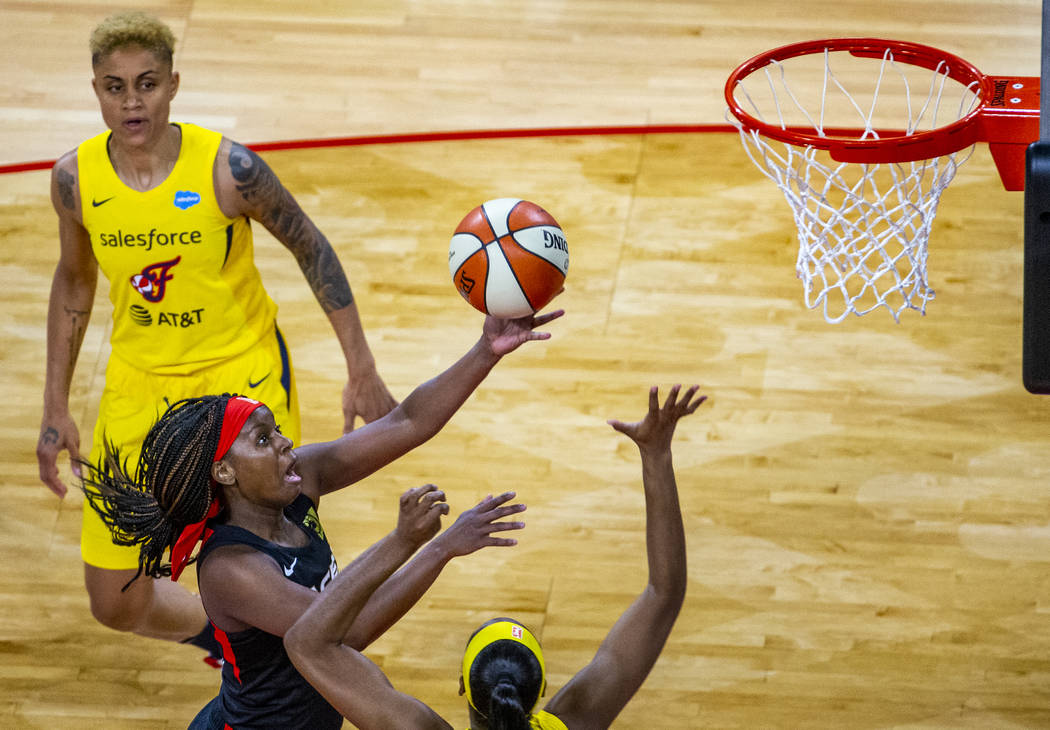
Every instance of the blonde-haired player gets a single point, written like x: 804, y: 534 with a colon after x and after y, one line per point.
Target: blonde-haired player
x: 163, y: 208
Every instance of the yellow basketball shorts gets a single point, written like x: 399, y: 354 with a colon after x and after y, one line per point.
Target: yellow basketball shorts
x: 134, y: 399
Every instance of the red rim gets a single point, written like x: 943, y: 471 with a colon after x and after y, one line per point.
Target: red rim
x: 900, y: 148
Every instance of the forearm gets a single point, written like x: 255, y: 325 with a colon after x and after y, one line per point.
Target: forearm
x: 359, y: 690
x: 69, y: 311
x: 432, y: 404
x: 396, y: 596
x: 333, y: 614
x: 346, y: 323
x: 664, y: 532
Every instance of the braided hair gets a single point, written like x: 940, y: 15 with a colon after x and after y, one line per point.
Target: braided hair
x: 171, y: 486
x: 505, y: 683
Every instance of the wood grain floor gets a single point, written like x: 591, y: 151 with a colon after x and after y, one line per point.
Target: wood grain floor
x: 866, y: 504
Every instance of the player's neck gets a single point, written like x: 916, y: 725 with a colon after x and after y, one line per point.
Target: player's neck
x: 144, y: 167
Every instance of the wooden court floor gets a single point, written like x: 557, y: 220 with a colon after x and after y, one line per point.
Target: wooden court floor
x: 867, y: 504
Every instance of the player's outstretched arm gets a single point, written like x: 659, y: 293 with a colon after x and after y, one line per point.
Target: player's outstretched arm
x: 599, y: 691
x: 328, y: 466
x: 69, y: 309
x: 316, y: 645
x: 247, y: 186
x: 471, y: 531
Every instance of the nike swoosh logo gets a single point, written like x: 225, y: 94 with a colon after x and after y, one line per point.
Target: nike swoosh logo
x: 257, y: 382
x: 288, y: 571
x: 96, y: 203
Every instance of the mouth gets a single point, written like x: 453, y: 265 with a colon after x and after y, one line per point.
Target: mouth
x: 134, y: 125
x: 291, y: 476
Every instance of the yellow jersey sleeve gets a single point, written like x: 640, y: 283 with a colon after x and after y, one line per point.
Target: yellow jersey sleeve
x: 185, y: 290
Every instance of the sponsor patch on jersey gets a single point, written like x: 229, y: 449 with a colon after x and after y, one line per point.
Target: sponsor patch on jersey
x: 152, y: 281
x: 140, y: 315
x: 186, y: 199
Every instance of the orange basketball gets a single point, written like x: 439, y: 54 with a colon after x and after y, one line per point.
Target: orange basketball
x: 508, y: 257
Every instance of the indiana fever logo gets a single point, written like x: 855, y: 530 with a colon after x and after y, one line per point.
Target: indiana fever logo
x: 151, y: 283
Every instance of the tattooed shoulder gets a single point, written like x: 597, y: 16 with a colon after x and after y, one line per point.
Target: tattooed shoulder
x: 255, y: 181
x: 66, y: 183
x: 244, y: 163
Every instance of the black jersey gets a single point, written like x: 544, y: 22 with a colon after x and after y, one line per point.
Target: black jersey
x: 261, y: 688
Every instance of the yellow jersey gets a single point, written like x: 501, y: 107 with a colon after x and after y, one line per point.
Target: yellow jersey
x: 185, y: 290
x: 545, y: 721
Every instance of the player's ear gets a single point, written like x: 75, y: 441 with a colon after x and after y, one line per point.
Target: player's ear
x: 223, y: 473
x: 462, y: 687
x: 174, y: 84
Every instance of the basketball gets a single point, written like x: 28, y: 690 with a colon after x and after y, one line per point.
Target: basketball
x: 508, y: 258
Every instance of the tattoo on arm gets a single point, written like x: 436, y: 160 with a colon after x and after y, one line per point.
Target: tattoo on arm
x: 78, y: 319
x: 274, y: 206
x: 66, y: 181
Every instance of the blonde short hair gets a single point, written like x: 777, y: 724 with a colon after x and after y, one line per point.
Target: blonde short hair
x: 133, y: 28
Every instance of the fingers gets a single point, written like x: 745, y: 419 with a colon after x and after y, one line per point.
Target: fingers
x: 680, y: 407
x: 55, y: 484
x: 690, y: 407
x: 47, y: 462
x: 491, y: 509
x: 542, y: 319
x: 491, y: 502
x: 426, y: 495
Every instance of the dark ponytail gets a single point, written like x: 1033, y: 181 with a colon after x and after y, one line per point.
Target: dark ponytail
x: 171, y: 484
x: 506, y: 711
x: 505, y: 683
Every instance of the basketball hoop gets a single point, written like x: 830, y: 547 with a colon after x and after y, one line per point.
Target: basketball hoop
x: 862, y: 136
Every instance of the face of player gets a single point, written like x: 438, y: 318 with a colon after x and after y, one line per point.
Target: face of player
x: 134, y: 90
x: 263, y: 463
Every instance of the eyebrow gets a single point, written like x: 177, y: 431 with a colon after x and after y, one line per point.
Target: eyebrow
x: 141, y: 75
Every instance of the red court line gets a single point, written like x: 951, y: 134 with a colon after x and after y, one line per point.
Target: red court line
x: 300, y: 144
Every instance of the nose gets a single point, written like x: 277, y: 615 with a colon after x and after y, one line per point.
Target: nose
x: 131, y: 99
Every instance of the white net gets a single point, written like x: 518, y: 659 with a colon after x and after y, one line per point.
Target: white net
x: 862, y: 228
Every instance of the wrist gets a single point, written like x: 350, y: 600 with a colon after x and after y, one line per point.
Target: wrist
x: 485, y: 354
x: 437, y: 551
x: 360, y: 364
x: 404, y: 544
x: 655, y: 455
x: 56, y: 406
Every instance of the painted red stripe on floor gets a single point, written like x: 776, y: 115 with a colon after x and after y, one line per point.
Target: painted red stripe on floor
x: 300, y: 144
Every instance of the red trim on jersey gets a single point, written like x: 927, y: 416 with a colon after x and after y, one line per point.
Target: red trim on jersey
x: 227, y: 651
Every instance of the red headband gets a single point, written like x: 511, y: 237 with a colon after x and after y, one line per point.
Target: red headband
x: 237, y: 411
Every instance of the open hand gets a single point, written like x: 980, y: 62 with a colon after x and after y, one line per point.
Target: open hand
x: 473, y: 529
x: 506, y: 335
x: 654, y: 432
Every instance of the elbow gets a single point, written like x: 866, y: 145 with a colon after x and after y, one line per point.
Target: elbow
x: 670, y: 594
x: 80, y: 281
x: 674, y: 597
x: 296, y: 644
